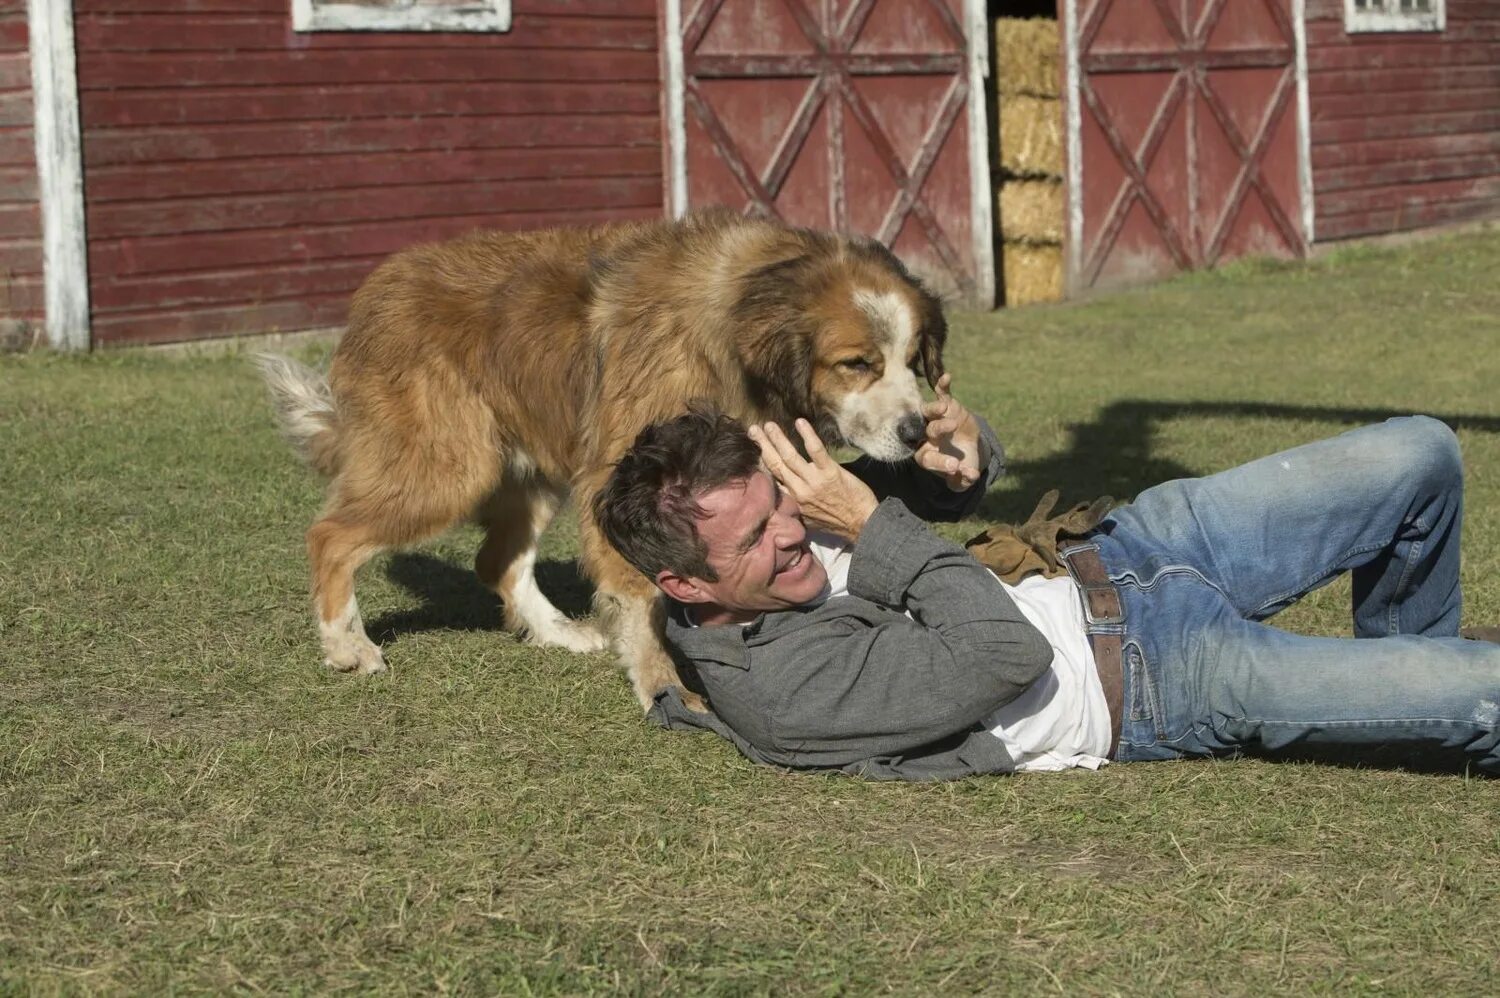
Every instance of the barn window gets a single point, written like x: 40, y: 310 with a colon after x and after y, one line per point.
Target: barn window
x: 401, y: 15
x: 1393, y: 15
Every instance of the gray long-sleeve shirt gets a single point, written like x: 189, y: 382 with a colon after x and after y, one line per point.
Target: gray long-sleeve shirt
x: 855, y: 683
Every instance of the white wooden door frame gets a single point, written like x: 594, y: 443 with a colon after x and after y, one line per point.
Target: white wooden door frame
x: 1304, y: 123
x: 59, y: 168
x: 981, y: 186
x: 674, y: 124
x: 981, y: 209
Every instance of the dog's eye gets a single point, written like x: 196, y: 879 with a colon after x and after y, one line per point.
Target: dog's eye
x: 857, y: 364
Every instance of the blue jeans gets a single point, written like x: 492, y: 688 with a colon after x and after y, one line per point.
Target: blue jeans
x: 1202, y: 563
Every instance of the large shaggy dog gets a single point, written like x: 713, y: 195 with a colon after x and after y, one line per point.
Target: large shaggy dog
x: 492, y: 376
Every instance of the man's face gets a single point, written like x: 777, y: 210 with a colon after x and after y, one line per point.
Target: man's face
x: 757, y: 545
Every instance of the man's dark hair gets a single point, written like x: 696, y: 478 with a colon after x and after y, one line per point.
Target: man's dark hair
x: 646, y: 509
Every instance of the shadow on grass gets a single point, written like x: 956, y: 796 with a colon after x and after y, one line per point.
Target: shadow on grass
x: 454, y: 600
x: 1416, y: 761
x: 1113, y: 454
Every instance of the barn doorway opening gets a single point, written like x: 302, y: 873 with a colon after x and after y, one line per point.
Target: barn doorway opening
x: 1027, y: 150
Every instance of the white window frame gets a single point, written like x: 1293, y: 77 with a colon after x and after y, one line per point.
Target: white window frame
x: 330, y: 15
x: 1363, y: 21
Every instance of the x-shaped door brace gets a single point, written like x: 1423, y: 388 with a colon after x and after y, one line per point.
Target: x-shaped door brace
x: 833, y: 65
x: 1191, y: 62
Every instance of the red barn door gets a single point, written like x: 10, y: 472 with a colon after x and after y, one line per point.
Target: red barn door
x: 1183, y: 134
x: 862, y: 116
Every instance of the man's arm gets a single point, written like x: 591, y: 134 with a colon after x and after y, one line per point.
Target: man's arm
x: 847, y: 688
x: 860, y: 678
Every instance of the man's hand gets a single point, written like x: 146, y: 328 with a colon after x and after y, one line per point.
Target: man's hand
x: 953, y: 448
x: 829, y: 495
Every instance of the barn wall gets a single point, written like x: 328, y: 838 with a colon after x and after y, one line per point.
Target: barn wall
x: 241, y: 177
x: 1405, y: 128
x: 22, y: 309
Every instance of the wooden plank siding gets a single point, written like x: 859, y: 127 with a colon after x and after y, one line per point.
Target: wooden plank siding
x: 241, y: 177
x: 22, y: 296
x: 1405, y: 128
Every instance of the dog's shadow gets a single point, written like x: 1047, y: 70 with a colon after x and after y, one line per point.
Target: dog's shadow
x: 452, y: 598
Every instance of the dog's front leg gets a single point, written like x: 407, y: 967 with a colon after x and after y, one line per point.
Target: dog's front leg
x: 634, y: 617
x: 636, y: 622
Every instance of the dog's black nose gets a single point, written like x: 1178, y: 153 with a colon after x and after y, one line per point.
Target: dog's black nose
x: 912, y: 430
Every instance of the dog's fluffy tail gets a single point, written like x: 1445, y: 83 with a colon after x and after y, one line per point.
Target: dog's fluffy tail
x: 304, y: 408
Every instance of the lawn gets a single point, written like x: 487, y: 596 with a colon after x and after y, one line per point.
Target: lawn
x: 188, y: 801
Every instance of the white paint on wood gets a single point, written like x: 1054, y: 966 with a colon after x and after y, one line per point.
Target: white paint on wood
x: 400, y: 15
x: 981, y: 193
x: 1392, y: 18
x: 1304, y: 123
x: 1072, y: 101
x: 59, y: 167
x: 673, y: 80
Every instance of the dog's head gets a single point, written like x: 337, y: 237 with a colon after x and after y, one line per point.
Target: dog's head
x: 839, y: 334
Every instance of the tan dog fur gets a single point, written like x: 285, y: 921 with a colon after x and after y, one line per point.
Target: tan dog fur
x: 492, y: 376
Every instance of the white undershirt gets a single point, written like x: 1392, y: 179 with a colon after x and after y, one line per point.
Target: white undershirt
x: 1061, y: 720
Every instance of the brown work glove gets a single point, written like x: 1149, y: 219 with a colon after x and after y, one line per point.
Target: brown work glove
x: 1014, y: 552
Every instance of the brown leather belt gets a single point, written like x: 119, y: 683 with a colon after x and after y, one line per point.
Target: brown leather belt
x: 1102, y: 606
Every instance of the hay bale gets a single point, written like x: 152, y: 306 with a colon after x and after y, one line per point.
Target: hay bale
x: 1028, y: 54
x: 1031, y: 211
x: 1032, y: 273
x: 1031, y: 137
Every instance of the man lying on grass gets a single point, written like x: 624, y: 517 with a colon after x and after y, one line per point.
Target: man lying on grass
x: 831, y: 629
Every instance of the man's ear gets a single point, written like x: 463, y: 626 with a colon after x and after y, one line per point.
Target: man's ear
x: 682, y: 588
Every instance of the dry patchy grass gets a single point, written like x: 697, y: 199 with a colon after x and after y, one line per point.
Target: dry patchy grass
x: 188, y: 802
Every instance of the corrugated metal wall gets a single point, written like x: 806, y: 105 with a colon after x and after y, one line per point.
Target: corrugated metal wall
x: 244, y: 178
x: 21, y: 298
x: 1405, y: 127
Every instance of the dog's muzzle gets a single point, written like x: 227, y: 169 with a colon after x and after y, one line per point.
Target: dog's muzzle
x: 912, y: 430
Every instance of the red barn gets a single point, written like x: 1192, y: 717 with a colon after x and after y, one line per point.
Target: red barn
x: 213, y: 167
x: 1405, y: 113
x: 22, y: 305
x: 1204, y: 129
x: 242, y: 168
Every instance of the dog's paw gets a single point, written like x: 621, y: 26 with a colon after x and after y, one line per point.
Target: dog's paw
x: 569, y: 634
x: 690, y: 700
x: 647, y: 693
x: 362, y: 657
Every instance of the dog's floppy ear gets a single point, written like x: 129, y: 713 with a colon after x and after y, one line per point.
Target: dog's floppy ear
x: 775, y: 337
x: 931, y: 337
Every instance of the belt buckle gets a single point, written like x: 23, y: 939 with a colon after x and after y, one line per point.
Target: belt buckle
x: 1108, y: 619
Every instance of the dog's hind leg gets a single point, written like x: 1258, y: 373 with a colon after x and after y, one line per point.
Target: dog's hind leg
x: 399, y: 483
x: 358, y: 525
x: 337, y: 548
x: 514, y: 518
x: 360, y: 522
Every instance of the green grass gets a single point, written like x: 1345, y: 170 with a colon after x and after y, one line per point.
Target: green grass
x: 188, y: 801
